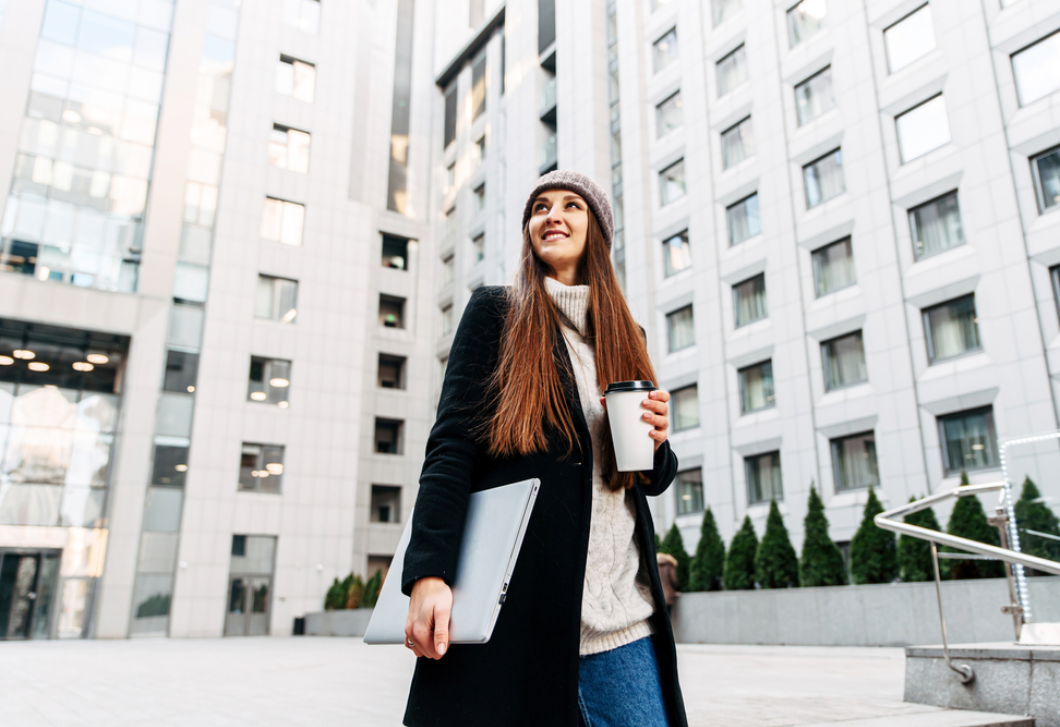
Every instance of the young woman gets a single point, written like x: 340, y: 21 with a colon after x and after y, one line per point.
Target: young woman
x: 584, y: 637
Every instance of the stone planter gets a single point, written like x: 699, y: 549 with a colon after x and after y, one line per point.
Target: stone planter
x: 347, y: 622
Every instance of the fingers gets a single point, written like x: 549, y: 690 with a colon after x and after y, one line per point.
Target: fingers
x: 441, y: 630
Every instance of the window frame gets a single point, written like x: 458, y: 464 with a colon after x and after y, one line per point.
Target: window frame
x: 886, y: 52
x: 728, y: 222
x: 913, y: 227
x: 656, y: 68
x: 748, y: 150
x: 683, y: 390
x: 814, y: 256
x: 749, y: 463
x: 829, y: 385
x: 680, y: 495
x: 1039, y: 189
x: 664, y: 200
x: 804, y: 83
x: 839, y: 472
x: 686, y: 248
x: 1015, y: 78
x: 255, y: 485
x: 736, y: 300
x: 743, y: 387
x: 837, y: 154
x: 991, y: 427
x: 670, y: 328
x: 925, y: 316
x: 742, y: 47
x: 659, y: 134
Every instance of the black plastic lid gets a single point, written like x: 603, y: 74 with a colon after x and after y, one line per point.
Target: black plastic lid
x: 617, y: 386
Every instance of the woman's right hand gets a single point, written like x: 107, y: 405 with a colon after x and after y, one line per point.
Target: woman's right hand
x: 427, y: 625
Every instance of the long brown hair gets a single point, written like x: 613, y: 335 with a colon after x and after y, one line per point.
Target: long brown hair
x: 526, y: 388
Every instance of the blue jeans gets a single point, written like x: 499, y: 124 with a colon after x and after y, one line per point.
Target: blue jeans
x: 621, y: 688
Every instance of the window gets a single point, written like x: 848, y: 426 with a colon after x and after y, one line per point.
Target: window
x: 742, y: 220
x: 668, y: 115
x: 1054, y: 275
x: 824, y: 178
x: 814, y: 96
x: 854, y: 462
x: 737, y: 143
x: 480, y: 198
x: 388, y: 439
x: 804, y: 20
x: 289, y: 149
x: 270, y: 379
x: 282, y: 221
x: 952, y: 329
x: 732, y: 70
x: 756, y: 387
x: 261, y: 467
x: 664, y: 50
x: 450, y: 221
x: 722, y: 10
x: 391, y: 372
x: 672, y: 183
x: 686, y: 408
x: 969, y: 441
x: 447, y: 319
x: 677, y: 255
x: 182, y: 368
x: 680, y: 329
x: 450, y: 116
x: 478, y: 88
x: 276, y: 299
x: 1037, y: 69
x: 749, y: 300
x: 395, y: 252
x: 922, y: 128
x: 480, y: 148
x: 690, y: 492
x: 448, y: 269
x: 296, y: 78
x: 910, y: 38
x: 450, y: 177
x: 391, y: 311
x: 302, y: 14
x: 1046, y: 170
x: 386, y: 504
x: 763, y: 478
x: 833, y: 267
x: 936, y: 226
x: 844, y: 362
x: 478, y: 248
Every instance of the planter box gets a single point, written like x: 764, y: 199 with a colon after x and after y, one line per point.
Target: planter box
x: 348, y: 622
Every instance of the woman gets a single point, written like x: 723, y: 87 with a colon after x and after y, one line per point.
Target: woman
x: 583, y: 637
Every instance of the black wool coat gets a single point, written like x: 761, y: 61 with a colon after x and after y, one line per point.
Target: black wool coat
x: 528, y: 672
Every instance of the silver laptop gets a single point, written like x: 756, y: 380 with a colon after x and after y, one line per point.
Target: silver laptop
x: 493, y: 533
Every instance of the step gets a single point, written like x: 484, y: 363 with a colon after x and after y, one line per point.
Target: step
x: 936, y: 718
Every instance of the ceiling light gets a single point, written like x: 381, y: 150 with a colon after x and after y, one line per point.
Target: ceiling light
x: 262, y: 473
x: 6, y: 360
x: 71, y: 116
x: 181, y: 468
x: 96, y: 358
x: 43, y: 272
x: 282, y: 405
x: 23, y: 354
x: 257, y: 395
x: 38, y: 366
x: 191, y: 389
x: 289, y: 316
x: 279, y: 383
x: 275, y: 468
x: 82, y: 366
x: 978, y: 446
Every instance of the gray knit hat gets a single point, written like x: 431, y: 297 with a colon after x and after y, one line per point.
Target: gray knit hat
x: 590, y: 191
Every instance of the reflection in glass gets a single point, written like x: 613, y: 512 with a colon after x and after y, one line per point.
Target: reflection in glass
x: 677, y: 255
x: 814, y: 96
x: 969, y: 441
x: 1046, y: 168
x: 936, y: 226
x: 742, y: 220
x: 668, y: 115
x: 756, y: 387
x: 737, y: 143
x: 910, y: 38
x: 952, y: 329
x: 804, y: 20
x: 296, y: 78
x: 74, y: 607
x: 680, y: 329
x: 854, y: 460
x: 261, y: 467
x: 152, y: 597
x: 282, y: 221
x: 289, y: 149
x: 690, y: 492
x: 833, y: 267
x: 276, y: 299
x: 824, y: 179
x: 1037, y: 69
x: 763, y: 478
x: 269, y: 380
x: 722, y: 10
x: 83, y: 507
x: 686, y: 408
x: 664, y: 50
x: 672, y: 183
x: 922, y: 128
x: 844, y: 361
x: 732, y: 70
x: 749, y: 300
x: 162, y: 509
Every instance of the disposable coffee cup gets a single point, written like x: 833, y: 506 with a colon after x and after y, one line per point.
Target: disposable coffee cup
x: 634, y: 448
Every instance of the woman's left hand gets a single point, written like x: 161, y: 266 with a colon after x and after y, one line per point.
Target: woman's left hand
x: 657, y: 414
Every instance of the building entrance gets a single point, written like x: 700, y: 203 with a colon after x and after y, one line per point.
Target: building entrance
x: 250, y: 585
x: 27, y: 592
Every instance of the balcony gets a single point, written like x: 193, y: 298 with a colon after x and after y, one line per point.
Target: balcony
x: 548, y: 154
x: 548, y: 103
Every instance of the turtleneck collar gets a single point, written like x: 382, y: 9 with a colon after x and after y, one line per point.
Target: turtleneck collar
x: 572, y: 301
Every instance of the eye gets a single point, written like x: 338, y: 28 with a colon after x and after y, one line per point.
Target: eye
x: 575, y: 205
x: 540, y: 206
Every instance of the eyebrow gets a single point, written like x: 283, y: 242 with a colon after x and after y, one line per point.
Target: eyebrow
x: 577, y: 197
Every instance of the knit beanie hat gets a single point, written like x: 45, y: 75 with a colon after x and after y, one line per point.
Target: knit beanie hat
x: 590, y: 191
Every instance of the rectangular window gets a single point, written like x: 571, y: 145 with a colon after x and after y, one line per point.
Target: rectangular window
x: 450, y: 221
x: 910, y: 38
x: 1046, y: 170
x: 952, y: 329
x: 922, y: 128
x: 936, y: 226
x: 824, y: 178
x: 749, y: 300
x: 170, y: 465
x: 296, y: 78
x: 763, y: 478
x: 737, y: 143
x: 480, y: 148
x: 261, y: 467
x: 732, y: 70
x: 391, y: 372
x: 269, y: 380
x: 969, y: 441
x: 854, y: 462
x: 690, y: 492
x: 668, y: 115
x: 804, y: 20
x: 478, y: 88
x: 289, y: 149
x: 722, y: 10
x: 282, y: 221
x: 680, y: 329
x: 386, y: 501
x: 388, y: 439
x: 844, y: 362
x: 686, y: 408
x: 677, y: 255
x: 742, y: 220
x: 450, y: 178
x: 182, y: 368
x: 276, y: 299
x: 395, y: 252
x: 448, y: 269
x: 672, y: 183
x: 447, y: 319
x: 391, y: 311
x: 664, y: 50
x: 450, y: 116
x: 478, y: 248
x: 480, y: 198
x: 833, y: 267
x: 814, y: 96
x: 302, y: 14
x: 1037, y: 69
x: 756, y: 387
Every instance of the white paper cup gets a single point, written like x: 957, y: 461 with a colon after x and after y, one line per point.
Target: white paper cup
x: 634, y: 448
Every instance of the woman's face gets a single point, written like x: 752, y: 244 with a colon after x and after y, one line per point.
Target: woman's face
x: 559, y: 225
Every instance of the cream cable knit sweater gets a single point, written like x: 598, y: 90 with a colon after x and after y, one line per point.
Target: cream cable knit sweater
x: 616, y: 600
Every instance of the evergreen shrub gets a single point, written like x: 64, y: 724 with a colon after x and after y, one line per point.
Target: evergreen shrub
x: 873, y: 551
x: 740, y: 562
x: 776, y: 565
x: 708, y: 564
x: 822, y: 561
x: 914, y: 554
x: 1031, y: 514
x: 968, y: 520
x: 371, y: 590
x: 674, y: 544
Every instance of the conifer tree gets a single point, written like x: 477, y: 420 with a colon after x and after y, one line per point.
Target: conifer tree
x: 776, y: 565
x: 371, y: 590
x: 708, y: 564
x: 822, y: 562
x: 1034, y: 515
x: 674, y: 544
x: 914, y: 554
x: 873, y: 551
x: 740, y: 562
x: 968, y: 520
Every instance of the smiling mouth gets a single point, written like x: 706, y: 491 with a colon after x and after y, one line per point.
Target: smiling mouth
x: 554, y: 235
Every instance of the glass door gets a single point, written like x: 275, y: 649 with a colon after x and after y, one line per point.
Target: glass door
x: 27, y: 588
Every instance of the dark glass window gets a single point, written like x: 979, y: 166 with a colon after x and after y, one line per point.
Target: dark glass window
x: 952, y: 329
x: 969, y: 440
x: 690, y: 492
x: 182, y: 368
x: 391, y: 372
x: 395, y: 252
x: 261, y: 467
x: 170, y: 467
x: 388, y: 436
x: 450, y: 115
x: 763, y: 478
x: 391, y: 311
x: 854, y: 461
x: 844, y: 361
x: 386, y: 504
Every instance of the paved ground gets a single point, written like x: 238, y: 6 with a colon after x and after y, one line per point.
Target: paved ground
x: 324, y: 681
